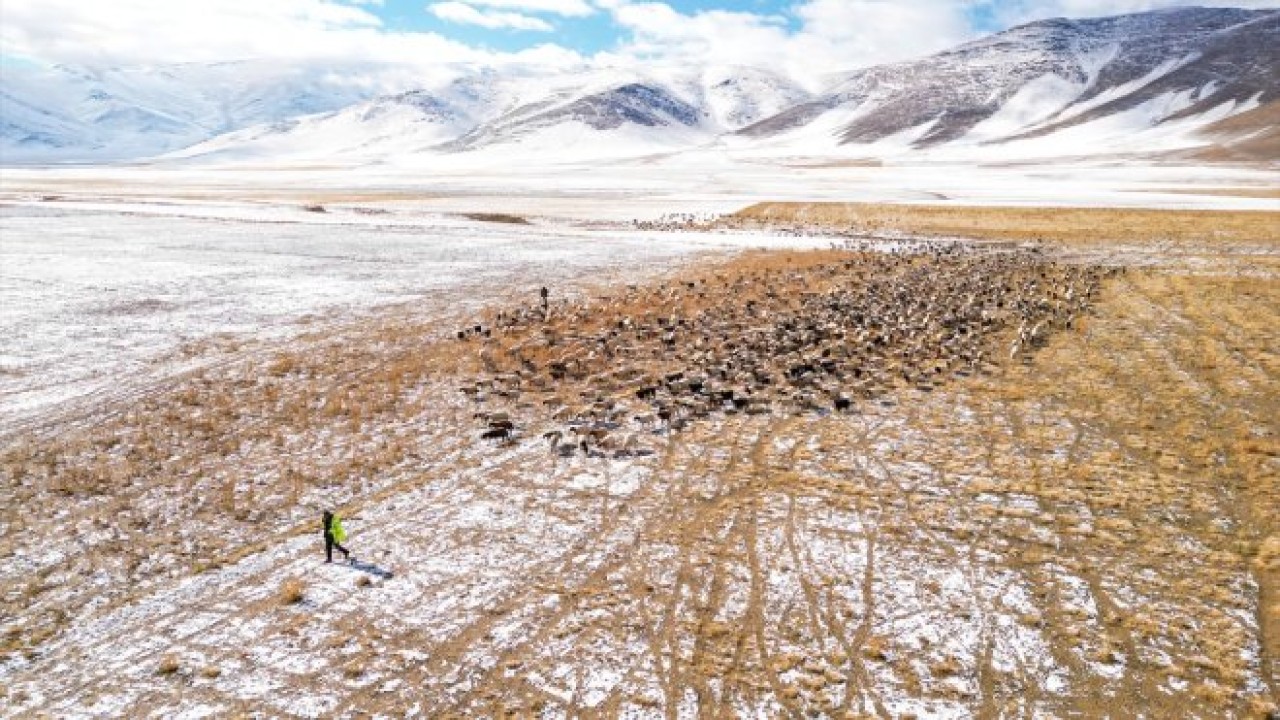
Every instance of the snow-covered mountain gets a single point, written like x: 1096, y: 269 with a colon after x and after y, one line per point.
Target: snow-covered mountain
x: 1124, y: 74
x: 594, y: 112
x: 409, y: 122
x: 1161, y: 82
x: 734, y: 96
x: 85, y: 114
x: 615, y: 119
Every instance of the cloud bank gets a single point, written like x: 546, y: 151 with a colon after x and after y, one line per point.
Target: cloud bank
x: 807, y: 39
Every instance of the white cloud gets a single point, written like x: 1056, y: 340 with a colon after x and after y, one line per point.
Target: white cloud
x: 123, y: 32
x: 832, y: 35
x: 566, y: 8
x: 163, y: 31
x: 460, y: 12
x: 864, y: 32
x: 508, y: 14
x: 1014, y: 12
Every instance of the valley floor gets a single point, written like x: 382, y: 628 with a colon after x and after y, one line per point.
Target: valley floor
x: 1089, y: 532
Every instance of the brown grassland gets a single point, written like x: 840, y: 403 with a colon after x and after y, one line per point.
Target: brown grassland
x: 1086, y: 226
x: 1090, y: 529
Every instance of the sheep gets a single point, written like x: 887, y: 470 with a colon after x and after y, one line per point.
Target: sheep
x: 794, y: 336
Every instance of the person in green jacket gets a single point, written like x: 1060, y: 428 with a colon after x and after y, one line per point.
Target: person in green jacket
x: 334, y: 534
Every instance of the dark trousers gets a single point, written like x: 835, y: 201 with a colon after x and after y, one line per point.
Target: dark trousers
x: 329, y: 545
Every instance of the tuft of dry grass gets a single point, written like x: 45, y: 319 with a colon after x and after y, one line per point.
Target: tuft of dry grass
x: 1262, y: 708
x: 291, y: 591
x: 168, y: 665
x: 502, y: 218
x: 945, y: 667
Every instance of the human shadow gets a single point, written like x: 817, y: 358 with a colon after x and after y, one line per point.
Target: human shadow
x: 370, y: 568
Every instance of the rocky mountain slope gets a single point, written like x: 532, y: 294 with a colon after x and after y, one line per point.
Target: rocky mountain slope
x: 648, y: 111
x: 1048, y: 76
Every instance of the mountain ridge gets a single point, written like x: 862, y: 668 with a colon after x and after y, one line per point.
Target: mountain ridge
x: 960, y: 89
x: 1160, y: 81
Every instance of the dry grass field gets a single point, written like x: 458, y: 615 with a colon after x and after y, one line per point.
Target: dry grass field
x: 1086, y: 226
x: 1084, y: 528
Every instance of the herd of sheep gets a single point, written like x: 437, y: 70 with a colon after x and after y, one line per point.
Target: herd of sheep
x: 799, y: 332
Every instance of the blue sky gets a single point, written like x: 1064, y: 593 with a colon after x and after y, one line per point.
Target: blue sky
x: 586, y: 34
x: 589, y: 34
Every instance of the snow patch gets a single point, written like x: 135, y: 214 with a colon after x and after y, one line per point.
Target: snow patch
x: 1034, y: 102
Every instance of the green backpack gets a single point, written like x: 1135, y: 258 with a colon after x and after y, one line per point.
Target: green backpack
x: 338, y: 532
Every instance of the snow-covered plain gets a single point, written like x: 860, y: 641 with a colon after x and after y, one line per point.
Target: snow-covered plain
x: 860, y: 552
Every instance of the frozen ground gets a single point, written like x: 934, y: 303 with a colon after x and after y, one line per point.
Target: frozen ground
x: 1038, y: 543
x: 1061, y: 539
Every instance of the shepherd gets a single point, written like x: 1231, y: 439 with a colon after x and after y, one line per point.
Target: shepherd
x: 334, y: 534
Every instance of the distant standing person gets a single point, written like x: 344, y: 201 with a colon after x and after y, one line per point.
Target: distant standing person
x: 334, y: 534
